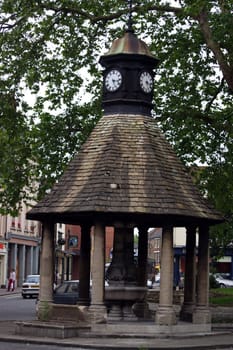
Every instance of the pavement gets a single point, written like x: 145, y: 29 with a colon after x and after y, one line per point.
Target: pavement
x: 220, y: 338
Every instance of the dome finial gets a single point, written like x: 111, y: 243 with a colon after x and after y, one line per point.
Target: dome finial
x: 130, y: 21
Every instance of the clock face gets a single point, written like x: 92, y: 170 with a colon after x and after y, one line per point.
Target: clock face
x: 113, y: 80
x: 146, y: 82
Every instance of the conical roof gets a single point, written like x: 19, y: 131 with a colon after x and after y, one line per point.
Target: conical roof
x: 125, y: 170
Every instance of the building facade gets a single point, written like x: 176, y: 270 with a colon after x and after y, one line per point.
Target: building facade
x: 19, y: 246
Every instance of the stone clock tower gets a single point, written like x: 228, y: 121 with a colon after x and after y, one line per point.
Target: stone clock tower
x: 128, y: 76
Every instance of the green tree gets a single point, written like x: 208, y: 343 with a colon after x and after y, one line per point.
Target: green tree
x: 52, y: 47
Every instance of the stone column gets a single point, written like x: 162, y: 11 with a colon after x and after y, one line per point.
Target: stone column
x: 142, y: 256
x: 46, y: 271
x: 84, y: 265
x: 176, y: 271
x: 165, y: 314
x: 202, y: 312
x: 97, y: 308
x: 190, y: 275
x: 141, y: 308
x: 36, y: 251
x: 14, y: 256
x: 21, y: 270
x: 29, y: 260
x: 13, y: 262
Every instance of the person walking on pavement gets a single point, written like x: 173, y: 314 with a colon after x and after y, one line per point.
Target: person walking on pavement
x: 11, y: 281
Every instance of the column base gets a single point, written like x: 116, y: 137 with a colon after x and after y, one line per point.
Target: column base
x: 128, y: 314
x: 98, y: 313
x: 45, y: 309
x: 141, y: 310
x: 165, y: 315
x: 115, y: 313
x: 186, y: 313
x: 201, y: 315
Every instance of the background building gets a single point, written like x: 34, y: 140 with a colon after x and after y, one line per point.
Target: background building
x: 222, y: 265
x: 19, y: 246
x: 68, y: 245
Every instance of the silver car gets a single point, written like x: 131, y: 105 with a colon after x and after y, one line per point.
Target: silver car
x: 224, y: 280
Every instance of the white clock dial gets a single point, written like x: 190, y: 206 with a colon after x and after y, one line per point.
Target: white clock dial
x: 113, y: 80
x: 146, y: 82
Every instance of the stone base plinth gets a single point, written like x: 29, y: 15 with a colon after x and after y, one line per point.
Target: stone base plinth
x: 149, y: 329
x: 70, y: 313
x: 98, y: 313
x: 49, y: 329
x: 186, y: 313
x: 44, y: 310
x: 115, y: 313
x: 165, y: 315
x: 141, y: 310
x: 201, y: 315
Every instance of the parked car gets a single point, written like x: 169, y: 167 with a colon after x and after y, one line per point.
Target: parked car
x: 223, y: 280
x: 31, y: 286
x: 67, y: 293
x: 226, y: 275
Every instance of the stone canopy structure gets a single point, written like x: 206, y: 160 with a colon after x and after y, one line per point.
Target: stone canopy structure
x: 126, y: 175
x: 126, y: 170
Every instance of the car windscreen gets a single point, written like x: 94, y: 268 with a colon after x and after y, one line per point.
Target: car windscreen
x: 62, y: 288
x: 72, y: 288
x: 32, y: 279
x: 67, y: 288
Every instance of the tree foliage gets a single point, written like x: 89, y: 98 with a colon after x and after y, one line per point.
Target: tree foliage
x: 50, y: 86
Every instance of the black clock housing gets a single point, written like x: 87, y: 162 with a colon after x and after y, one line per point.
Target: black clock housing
x: 129, y: 98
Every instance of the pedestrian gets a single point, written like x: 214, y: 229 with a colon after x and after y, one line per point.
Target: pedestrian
x: 11, y: 281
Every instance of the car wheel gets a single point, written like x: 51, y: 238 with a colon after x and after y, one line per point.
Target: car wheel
x: 222, y: 285
x: 24, y: 296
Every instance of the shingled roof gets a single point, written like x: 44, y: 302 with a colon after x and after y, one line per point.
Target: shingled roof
x: 126, y: 169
